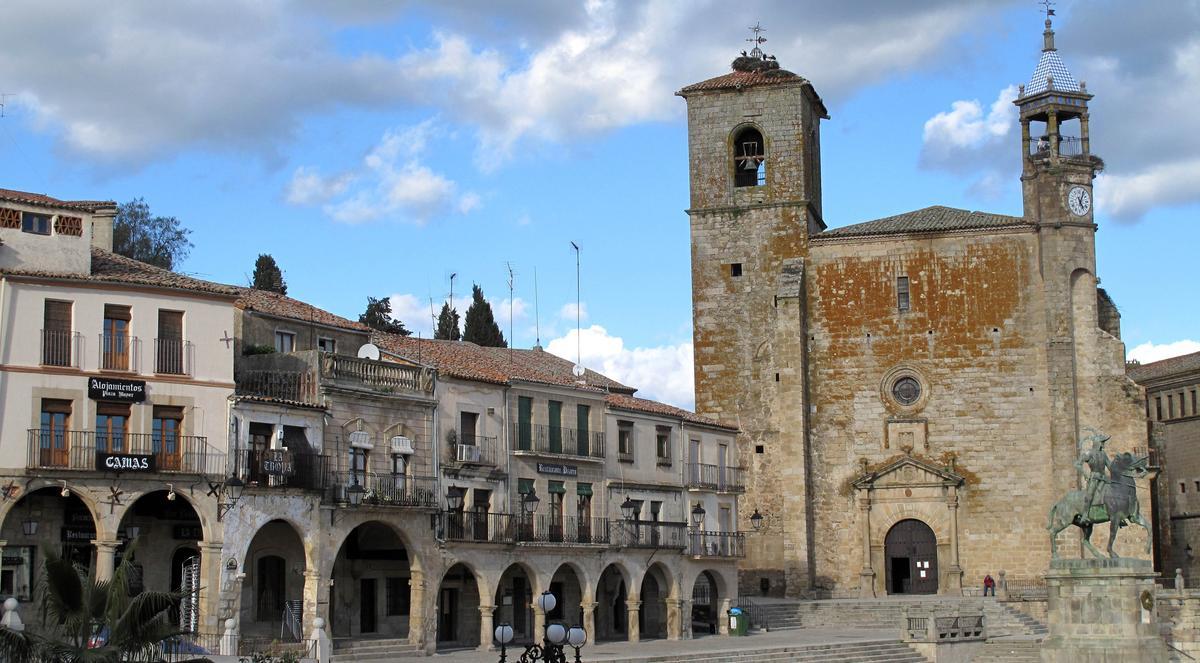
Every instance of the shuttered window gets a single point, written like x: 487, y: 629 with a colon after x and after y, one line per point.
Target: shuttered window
x: 170, y: 325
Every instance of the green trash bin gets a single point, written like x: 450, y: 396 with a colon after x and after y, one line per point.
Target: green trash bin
x: 739, y: 622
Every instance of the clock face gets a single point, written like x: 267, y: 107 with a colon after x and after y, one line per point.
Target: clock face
x: 1079, y: 201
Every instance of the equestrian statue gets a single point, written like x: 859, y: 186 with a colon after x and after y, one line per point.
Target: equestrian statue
x: 1111, y: 498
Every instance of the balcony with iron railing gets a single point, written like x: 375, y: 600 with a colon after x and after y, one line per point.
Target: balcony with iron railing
x: 1070, y: 147
x: 61, y: 348
x: 119, y: 352
x: 716, y: 544
x: 715, y: 477
x: 649, y: 534
x: 282, y: 468
x: 557, y: 441
x: 173, y: 356
x: 92, y: 451
x: 474, y: 450
x: 379, y: 489
x: 294, y: 386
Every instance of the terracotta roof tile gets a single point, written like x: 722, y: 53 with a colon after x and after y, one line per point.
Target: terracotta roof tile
x: 1163, y: 368
x: 744, y: 79
x: 282, y: 306
x: 112, y: 268
x: 635, y: 404
x: 929, y: 219
x: 47, y: 201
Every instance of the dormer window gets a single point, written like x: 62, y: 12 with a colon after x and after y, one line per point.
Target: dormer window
x: 750, y: 158
x: 38, y: 224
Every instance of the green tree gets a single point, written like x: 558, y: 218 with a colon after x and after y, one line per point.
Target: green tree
x: 379, y: 316
x: 480, y: 325
x: 161, y: 241
x: 447, y: 326
x: 267, y: 275
x: 76, y: 606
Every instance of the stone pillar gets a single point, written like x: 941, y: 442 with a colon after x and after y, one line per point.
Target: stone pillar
x: 685, y: 609
x: 1025, y: 139
x: 866, y: 576
x: 487, y: 631
x: 589, y: 620
x: 632, y: 605
x: 1083, y: 134
x: 1002, y: 587
x: 229, y: 638
x: 1179, y: 580
x: 210, y: 583
x: 1052, y: 129
x: 322, y: 643
x: 723, y: 617
x: 417, y: 609
x: 674, y: 620
x: 954, y: 572
x: 312, y: 597
x: 106, y: 558
x: 1102, y: 610
x: 539, y: 622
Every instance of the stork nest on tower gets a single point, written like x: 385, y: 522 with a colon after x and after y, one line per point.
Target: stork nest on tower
x: 766, y: 65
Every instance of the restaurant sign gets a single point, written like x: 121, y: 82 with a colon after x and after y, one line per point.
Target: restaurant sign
x: 111, y: 389
x: 558, y: 469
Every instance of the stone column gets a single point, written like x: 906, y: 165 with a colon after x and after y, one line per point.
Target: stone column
x: 106, y: 558
x: 954, y: 573
x: 866, y: 576
x: 632, y: 605
x: 723, y: 616
x: 1025, y: 138
x: 1052, y: 129
x: 1083, y: 134
x: 486, y: 628
x: 312, y: 597
x: 210, y: 582
x: 674, y: 620
x: 589, y: 620
x: 539, y: 622
x: 685, y: 609
x: 417, y: 609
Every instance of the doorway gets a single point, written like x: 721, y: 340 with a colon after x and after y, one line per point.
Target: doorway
x: 270, y: 585
x: 910, y: 549
x: 366, y: 609
x: 447, y: 610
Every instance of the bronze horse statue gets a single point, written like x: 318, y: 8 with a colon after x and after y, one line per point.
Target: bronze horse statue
x: 1116, y: 504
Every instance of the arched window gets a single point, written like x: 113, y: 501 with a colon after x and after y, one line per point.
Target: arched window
x: 750, y: 158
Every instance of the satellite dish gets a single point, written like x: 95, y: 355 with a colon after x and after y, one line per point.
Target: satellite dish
x: 369, y: 351
x: 578, y: 370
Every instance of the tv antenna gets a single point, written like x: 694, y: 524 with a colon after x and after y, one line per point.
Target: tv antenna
x: 452, y: 276
x: 537, y: 316
x: 511, y: 279
x: 578, y: 369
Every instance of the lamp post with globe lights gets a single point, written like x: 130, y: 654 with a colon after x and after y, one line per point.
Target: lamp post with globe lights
x: 558, y: 635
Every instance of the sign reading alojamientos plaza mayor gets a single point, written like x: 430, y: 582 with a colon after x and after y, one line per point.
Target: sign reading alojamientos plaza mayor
x: 111, y: 389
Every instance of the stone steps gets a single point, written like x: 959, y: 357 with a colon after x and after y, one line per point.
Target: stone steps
x: 374, y: 649
x: 1009, y: 651
x: 1001, y: 619
x: 877, y: 651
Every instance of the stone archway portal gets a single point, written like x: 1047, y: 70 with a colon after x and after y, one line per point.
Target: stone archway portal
x: 910, y: 550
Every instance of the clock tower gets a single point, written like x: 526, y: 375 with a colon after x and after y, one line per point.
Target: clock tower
x: 1057, y: 172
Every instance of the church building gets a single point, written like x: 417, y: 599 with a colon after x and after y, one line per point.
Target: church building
x: 912, y: 392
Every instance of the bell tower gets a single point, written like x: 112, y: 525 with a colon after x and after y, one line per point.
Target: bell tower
x: 1057, y: 172
x: 754, y: 165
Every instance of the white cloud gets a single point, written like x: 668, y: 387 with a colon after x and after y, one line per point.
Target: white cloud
x: 567, y: 312
x: 966, y: 140
x: 391, y: 183
x: 1148, y: 351
x: 1127, y: 197
x: 662, y: 373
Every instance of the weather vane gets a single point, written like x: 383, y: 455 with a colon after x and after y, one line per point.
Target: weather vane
x: 1048, y: 8
x: 757, y: 40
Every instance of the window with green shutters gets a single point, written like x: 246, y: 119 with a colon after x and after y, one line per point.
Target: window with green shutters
x: 524, y: 422
x: 524, y: 486
x: 555, y: 417
x: 582, y: 413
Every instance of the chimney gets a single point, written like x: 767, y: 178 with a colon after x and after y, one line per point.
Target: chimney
x: 102, y: 228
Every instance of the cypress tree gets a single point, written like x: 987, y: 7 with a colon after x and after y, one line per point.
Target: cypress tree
x: 447, y: 326
x: 481, y: 327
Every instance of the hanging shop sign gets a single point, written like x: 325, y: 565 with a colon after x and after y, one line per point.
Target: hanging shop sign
x: 112, y: 389
x: 278, y: 463
x: 106, y: 462
x: 558, y: 469
x: 188, y: 532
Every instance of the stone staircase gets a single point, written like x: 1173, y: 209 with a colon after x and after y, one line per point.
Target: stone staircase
x: 374, y: 649
x: 1002, y: 619
x: 872, y: 651
x: 1009, y: 651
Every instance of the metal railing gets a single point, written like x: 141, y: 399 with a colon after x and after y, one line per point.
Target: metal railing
x: 80, y: 450
x: 475, y: 449
x: 715, y: 477
x: 478, y: 526
x: 61, y: 348
x: 188, y: 646
x: 283, y: 469
x: 293, y: 612
x: 557, y: 440
x: 1025, y: 589
x: 717, y: 544
x: 565, y: 529
x: 294, y: 386
x: 172, y: 356
x: 119, y: 352
x: 756, y: 612
x: 386, y: 489
x: 649, y: 534
x: 1068, y: 146
x: 377, y: 375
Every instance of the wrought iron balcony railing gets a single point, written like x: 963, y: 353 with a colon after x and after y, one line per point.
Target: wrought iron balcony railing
x: 716, y: 544
x: 61, y: 348
x: 95, y: 451
x: 399, y: 490
x: 281, y: 468
x: 715, y: 477
x: 649, y: 534
x: 557, y: 440
x: 475, y: 450
x: 119, y: 352
x: 173, y: 356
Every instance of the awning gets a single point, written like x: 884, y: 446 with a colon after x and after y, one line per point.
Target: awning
x: 583, y: 489
x: 556, y: 487
x: 524, y: 486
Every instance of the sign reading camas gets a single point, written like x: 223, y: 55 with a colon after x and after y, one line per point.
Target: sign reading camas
x: 106, y: 462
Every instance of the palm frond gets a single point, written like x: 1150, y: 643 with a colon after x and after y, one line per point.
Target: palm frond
x: 18, y: 646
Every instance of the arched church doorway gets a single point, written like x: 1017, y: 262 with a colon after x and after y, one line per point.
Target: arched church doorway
x: 910, y: 550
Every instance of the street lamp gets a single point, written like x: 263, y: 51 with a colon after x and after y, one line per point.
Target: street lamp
x: 454, y: 498
x: 698, y: 515
x: 355, y: 493
x: 30, y: 527
x: 232, y: 491
x: 629, y: 508
x: 756, y: 520
x: 557, y: 636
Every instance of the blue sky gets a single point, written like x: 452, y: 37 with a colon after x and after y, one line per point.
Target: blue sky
x: 374, y: 148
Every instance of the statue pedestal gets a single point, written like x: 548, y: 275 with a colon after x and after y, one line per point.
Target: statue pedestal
x: 1096, y: 614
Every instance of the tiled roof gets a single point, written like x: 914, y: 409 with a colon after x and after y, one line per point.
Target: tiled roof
x: 744, y: 79
x: 468, y: 361
x: 1051, y: 66
x: 1164, y: 368
x: 47, y: 201
x: 634, y: 404
x: 282, y: 306
x: 929, y: 219
x: 112, y: 268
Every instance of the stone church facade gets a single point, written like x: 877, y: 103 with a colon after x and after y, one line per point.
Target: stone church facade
x: 912, y: 392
